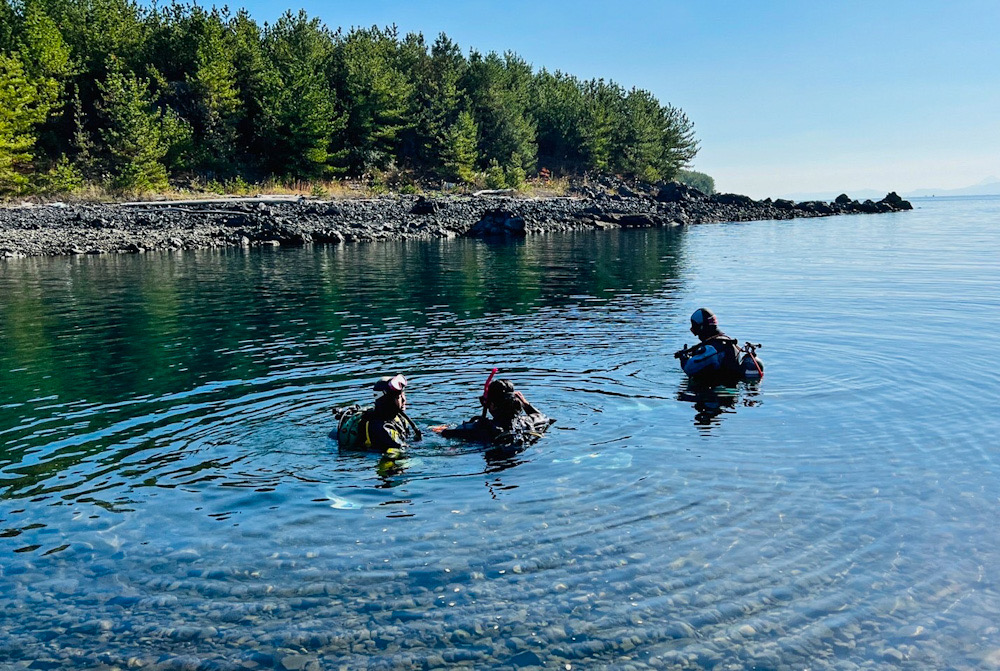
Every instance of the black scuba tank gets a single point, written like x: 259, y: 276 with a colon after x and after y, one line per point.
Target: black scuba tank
x: 751, y: 368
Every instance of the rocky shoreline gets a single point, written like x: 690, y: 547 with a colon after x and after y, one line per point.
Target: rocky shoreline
x: 56, y: 229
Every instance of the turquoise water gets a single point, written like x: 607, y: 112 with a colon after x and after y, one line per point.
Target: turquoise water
x: 169, y: 496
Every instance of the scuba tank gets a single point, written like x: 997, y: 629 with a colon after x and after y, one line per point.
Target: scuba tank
x: 349, y: 429
x: 751, y: 368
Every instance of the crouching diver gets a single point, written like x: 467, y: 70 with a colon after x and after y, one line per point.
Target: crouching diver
x: 514, y: 422
x: 716, y: 357
x: 383, y: 428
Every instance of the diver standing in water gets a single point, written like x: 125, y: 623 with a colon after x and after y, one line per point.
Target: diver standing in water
x: 716, y: 357
x: 513, y: 422
x: 382, y: 428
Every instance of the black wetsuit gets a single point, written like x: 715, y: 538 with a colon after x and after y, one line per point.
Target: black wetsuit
x: 715, y: 359
x: 381, y: 433
x: 523, y: 429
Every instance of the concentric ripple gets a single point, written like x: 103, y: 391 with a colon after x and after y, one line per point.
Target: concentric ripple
x: 170, y: 498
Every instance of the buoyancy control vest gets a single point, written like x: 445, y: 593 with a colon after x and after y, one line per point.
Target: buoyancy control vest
x: 522, y: 430
x: 359, y: 429
x: 716, y: 356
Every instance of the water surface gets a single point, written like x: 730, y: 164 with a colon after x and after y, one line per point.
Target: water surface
x: 169, y: 495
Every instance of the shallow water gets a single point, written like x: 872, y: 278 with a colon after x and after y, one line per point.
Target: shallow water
x: 169, y: 495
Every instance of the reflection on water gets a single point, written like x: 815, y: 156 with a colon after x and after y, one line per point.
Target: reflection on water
x: 711, y: 403
x: 170, y: 498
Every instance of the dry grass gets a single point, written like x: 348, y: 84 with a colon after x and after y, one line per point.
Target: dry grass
x: 335, y: 189
x: 555, y: 187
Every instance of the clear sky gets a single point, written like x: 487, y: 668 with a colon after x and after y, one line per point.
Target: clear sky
x: 786, y: 97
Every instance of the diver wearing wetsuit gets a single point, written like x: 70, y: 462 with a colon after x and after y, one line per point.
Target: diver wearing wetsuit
x: 514, y: 423
x: 382, y: 428
x: 716, y: 358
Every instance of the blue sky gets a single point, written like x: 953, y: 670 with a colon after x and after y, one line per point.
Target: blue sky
x: 786, y: 97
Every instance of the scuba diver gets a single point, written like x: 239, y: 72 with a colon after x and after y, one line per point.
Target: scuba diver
x: 514, y: 422
x: 383, y: 428
x: 716, y: 357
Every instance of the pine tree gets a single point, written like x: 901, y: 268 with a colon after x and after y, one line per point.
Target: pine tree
x: 601, y: 103
x: 48, y: 65
x: 258, y: 85
x: 22, y: 108
x: 44, y: 52
x: 217, y: 100
x: 439, y: 102
x: 8, y: 22
x: 301, y: 118
x: 638, y: 137
x: 558, y: 107
x: 378, y: 97
x: 678, y: 144
x: 134, y: 133
x: 458, y: 153
x: 499, y: 91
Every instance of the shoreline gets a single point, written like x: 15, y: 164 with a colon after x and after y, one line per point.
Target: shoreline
x: 60, y: 229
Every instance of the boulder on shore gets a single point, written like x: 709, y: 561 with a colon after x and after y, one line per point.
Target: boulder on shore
x: 894, y: 200
x: 425, y: 206
x: 816, y: 207
x: 496, y: 223
x: 733, y: 199
x: 675, y: 192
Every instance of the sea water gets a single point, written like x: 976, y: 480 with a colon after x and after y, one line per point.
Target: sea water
x: 169, y: 496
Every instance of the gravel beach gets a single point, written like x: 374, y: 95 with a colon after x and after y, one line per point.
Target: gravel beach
x: 58, y: 228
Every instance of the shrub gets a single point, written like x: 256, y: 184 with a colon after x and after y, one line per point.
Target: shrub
x: 495, y: 178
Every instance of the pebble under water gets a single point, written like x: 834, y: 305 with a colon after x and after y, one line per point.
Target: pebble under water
x: 170, y: 499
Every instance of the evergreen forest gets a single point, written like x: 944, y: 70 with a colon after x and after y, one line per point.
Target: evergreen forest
x: 137, y: 99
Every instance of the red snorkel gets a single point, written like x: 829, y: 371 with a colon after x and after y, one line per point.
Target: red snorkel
x: 486, y: 390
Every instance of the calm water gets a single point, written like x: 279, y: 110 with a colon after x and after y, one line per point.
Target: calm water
x: 169, y: 496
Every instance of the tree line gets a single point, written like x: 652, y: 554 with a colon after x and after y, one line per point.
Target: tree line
x: 107, y: 92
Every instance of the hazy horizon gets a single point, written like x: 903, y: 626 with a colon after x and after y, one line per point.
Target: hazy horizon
x: 785, y: 98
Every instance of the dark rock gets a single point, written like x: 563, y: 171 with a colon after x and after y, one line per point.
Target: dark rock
x: 896, y: 202
x: 733, y: 199
x: 424, y: 206
x: 625, y: 192
x: 783, y: 204
x: 675, y: 192
x: 328, y: 236
x: 637, y: 221
x: 843, y: 199
x: 892, y: 198
x: 498, y: 223
x: 867, y: 207
x: 526, y: 658
x: 815, y: 207
x: 237, y: 220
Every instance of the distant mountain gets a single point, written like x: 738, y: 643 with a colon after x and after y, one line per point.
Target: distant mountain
x: 825, y: 196
x: 988, y: 187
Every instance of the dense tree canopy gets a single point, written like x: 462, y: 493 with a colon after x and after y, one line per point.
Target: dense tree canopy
x: 132, y: 97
